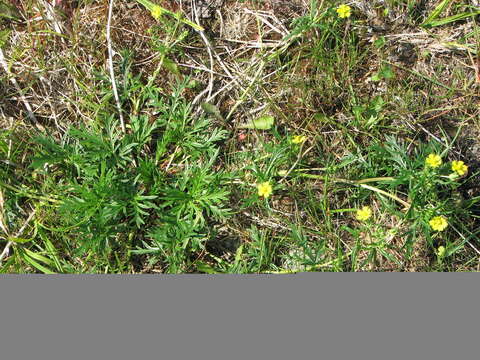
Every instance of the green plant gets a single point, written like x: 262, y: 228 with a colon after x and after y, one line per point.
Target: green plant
x: 429, y: 189
x: 112, y: 187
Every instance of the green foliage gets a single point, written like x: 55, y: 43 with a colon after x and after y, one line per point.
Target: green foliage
x: 430, y: 191
x: 112, y: 185
x: 434, y: 18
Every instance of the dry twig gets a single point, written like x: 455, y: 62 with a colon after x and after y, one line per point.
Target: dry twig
x: 30, y: 114
x: 6, y: 250
x: 110, y: 65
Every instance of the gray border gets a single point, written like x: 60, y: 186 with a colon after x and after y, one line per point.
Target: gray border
x: 303, y: 316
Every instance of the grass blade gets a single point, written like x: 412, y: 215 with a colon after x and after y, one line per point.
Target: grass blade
x: 453, y: 18
x: 436, y: 13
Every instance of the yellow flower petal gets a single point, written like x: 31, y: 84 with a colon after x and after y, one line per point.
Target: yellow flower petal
x: 438, y: 223
x: 298, y: 139
x: 364, y: 213
x: 264, y: 189
x: 433, y: 160
x: 344, y: 11
x: 157, y: 12
x: 459, y: 167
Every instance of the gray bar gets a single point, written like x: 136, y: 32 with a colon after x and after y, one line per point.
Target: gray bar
x: 305, y: 316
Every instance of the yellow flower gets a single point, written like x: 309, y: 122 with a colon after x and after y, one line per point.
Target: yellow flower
x: 264, y: 189
x: 298, y: 139
x: 344, y: 11
x: 364, y: 213
x: 459, y: 167
x: 157, y: 12
x: 433, y: 160
x: 438, y: 223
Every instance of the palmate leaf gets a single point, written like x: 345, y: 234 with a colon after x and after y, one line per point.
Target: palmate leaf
x: 197, y: 194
